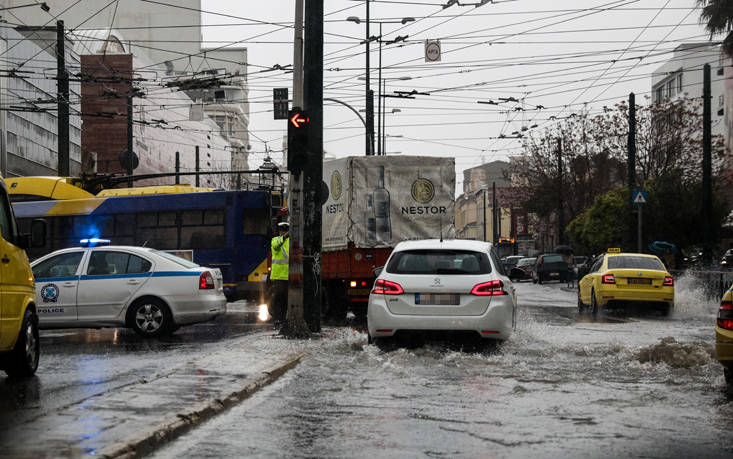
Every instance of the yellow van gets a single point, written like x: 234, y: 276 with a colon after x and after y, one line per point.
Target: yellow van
x: 19, y: 345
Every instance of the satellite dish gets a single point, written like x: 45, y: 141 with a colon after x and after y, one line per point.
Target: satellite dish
x: 128, y: 160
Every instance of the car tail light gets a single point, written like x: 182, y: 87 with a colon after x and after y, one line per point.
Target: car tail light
x: 725, y: 315
x: 608, y: 279
x: 206, y: 281
x: 494, y: 287
x: 668, y: 280
x: 385, y: 287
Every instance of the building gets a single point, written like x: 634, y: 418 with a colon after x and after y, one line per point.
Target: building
x: 682, y: 77
x: 29, y: 124
x: 163, y: 136
x: 215, y: 79
x: 476, y: 216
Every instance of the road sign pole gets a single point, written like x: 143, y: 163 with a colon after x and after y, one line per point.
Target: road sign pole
x: 638, y: 232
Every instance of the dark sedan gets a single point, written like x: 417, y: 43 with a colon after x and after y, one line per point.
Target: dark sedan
x: 523, y: 269
x: 551, y: 266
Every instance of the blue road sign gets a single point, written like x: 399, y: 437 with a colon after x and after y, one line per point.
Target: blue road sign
x: 639, y: 197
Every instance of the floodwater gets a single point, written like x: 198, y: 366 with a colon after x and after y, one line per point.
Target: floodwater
x: 564, y: 385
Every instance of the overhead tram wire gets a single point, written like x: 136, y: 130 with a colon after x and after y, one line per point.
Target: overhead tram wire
x: 537, y: 28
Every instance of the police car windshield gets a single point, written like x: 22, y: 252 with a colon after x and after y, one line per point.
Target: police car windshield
x: 181, y: 261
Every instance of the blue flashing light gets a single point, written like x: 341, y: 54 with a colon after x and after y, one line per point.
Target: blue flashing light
x: 94, y: 242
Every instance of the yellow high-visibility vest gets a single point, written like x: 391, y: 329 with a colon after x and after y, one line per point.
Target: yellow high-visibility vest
x: 280, y: 250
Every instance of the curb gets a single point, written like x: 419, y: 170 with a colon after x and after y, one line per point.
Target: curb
x: 172, y: 428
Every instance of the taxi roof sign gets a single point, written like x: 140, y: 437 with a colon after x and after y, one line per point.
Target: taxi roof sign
x: 614, y: 250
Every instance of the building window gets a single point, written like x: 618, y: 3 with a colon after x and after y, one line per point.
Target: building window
x: 669, y: 89
x: 659, y: 94
x: 679, y: 82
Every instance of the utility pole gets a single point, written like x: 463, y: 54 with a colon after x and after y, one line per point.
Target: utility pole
x: 129, y: 141
x: 313, y: 172
x: 198, y: 168
x: 369, y: 93
x: 560, y: 211
x: 295, y: 326
x: 707, y: 187
x: 494, y: 236
x: 62, y: 78
x: 484, y: 235
x: 631, y: 166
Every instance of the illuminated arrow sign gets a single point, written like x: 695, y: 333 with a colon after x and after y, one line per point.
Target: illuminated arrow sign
x: 298, y: 118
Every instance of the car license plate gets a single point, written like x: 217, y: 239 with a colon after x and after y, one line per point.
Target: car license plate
x: 639, y: 280
x: 554, y: 274
x: 358, y: 291
x: 437, y: 298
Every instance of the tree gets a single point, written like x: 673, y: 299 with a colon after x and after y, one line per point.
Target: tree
x: 603, y: 225
x: 594, y: 149
x: 718, y: 18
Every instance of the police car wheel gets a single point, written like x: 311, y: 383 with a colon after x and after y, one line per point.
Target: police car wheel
x: 151, y: 317
x: 23, y: 362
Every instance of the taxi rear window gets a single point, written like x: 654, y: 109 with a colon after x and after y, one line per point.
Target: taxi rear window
x: 630, y: 262
x: 449, y: 262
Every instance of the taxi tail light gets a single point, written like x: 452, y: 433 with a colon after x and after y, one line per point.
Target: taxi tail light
x: 608, y: 279
x: 385, y: 287
x: 668, y: 280
x: 494, y: 287
x: 206, y: 281
x: 725, y: 315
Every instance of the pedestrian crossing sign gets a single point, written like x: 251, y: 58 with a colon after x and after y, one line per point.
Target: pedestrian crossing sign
x: 639, y: 197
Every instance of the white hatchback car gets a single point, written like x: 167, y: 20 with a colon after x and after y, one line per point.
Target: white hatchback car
x: 151, y: 291
x: 435, y: 285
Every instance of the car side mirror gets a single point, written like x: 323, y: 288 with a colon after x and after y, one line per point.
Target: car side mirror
x: 378, y: 271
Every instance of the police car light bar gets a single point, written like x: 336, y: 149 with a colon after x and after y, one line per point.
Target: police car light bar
x: 93, y: 242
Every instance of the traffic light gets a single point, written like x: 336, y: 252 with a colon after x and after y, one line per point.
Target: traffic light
x: 298, y: 124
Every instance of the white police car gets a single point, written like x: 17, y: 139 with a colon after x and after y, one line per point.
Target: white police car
x: 99, y: 285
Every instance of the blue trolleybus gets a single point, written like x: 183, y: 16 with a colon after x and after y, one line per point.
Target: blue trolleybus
x: 229, y: 230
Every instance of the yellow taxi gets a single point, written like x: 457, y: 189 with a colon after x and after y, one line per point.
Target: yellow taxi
x: 617, y: 278
x: 19, y: 345
x: 724, y: 335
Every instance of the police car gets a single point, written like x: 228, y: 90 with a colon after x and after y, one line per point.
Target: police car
x: 99, y: 285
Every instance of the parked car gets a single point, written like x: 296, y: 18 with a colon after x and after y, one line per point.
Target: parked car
x: 510, y: 262
x: 551, y: 266
x: 436, y: 285
x: 724, y: 335
x: 523, y: 269
x: 19, y: 343
x: 618, y: 278
x: 150, y: 291
x: 726, y: 262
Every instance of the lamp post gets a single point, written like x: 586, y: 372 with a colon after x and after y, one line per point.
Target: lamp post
x: 369, y: 92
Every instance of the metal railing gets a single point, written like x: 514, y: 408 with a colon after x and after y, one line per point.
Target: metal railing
x: 714, y: 283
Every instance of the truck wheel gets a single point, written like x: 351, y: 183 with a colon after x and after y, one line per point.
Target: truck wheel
x: 23, y: 361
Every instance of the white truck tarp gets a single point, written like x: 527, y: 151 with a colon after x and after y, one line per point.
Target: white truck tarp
x: 378, y: 201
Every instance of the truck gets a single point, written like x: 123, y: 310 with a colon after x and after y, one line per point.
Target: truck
x: 373, y: 203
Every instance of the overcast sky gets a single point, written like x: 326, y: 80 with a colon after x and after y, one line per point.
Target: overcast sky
x: 561, y: 56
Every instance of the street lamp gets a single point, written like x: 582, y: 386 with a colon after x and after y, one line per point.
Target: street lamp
x: 369, y: 92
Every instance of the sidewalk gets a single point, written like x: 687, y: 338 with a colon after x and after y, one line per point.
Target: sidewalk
x: 134, y: 420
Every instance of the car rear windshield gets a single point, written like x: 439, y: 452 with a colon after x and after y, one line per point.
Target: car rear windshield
x: 526, y: 262
x: 439, y: 262
x: 553, y: 259
x: 624, y: 262
x: 181, y: 261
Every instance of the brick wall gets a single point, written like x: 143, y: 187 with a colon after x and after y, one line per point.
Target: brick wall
x: 105, y: 92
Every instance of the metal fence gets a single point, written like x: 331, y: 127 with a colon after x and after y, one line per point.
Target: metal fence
x: 714, y: 283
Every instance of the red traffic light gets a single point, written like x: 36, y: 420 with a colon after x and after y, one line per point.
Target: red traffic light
x: 298, y: 119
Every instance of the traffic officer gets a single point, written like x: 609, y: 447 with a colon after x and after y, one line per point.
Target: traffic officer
x: 279, y: 273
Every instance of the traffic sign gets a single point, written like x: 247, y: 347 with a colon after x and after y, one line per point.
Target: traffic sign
x: 639, y: 197
x: 432, y: 50
x: 280, y: 103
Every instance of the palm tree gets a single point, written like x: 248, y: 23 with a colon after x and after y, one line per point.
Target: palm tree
x: 718, y: 16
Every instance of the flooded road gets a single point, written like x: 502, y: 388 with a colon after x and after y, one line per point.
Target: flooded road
x: 624, y: 384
